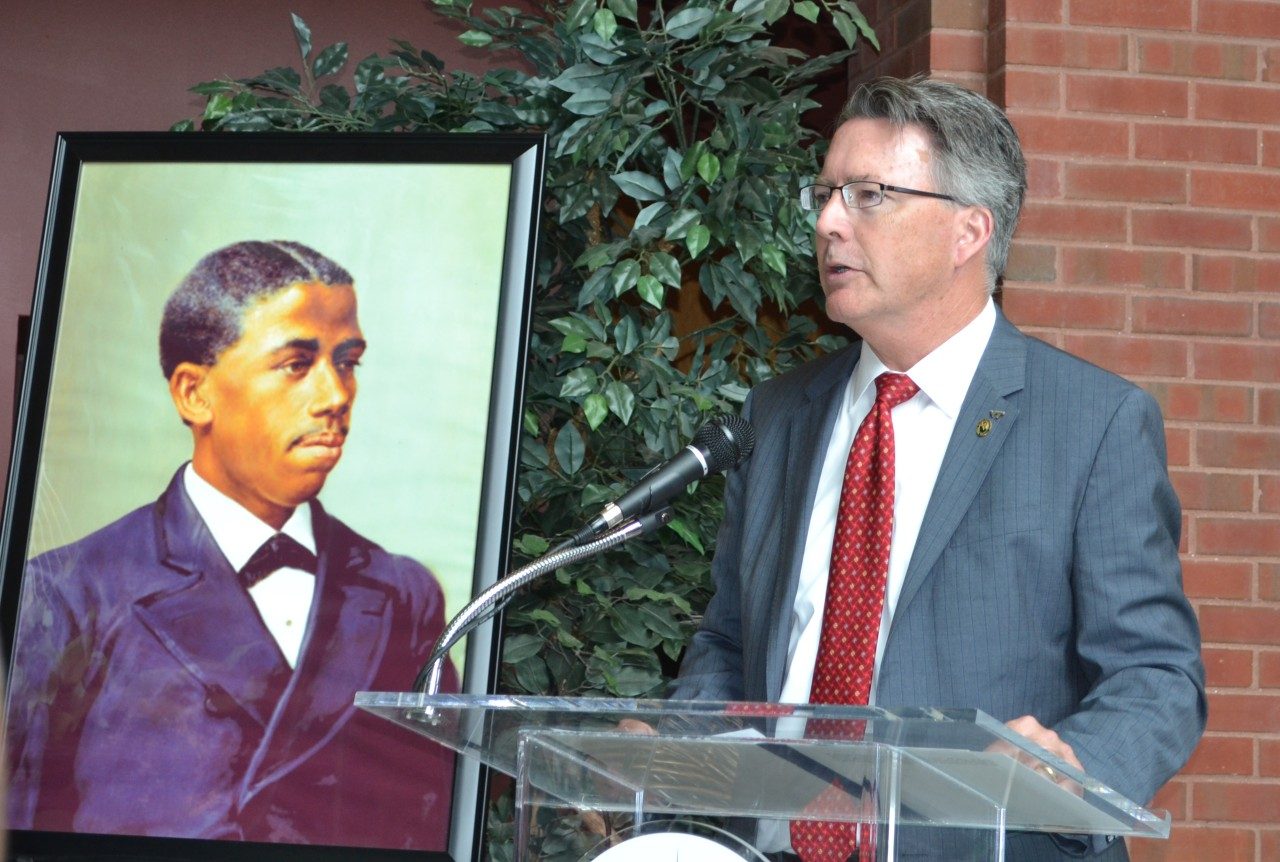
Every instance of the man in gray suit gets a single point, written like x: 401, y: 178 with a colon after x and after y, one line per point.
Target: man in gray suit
x: 1033, y: 562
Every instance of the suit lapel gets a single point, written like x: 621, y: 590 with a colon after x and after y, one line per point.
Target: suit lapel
x: 968, y: 459
x: 808, y: 435
x: 204, y: 618
x: 346, y: 640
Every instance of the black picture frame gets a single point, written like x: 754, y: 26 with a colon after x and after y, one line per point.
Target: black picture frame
x: 472, y: 203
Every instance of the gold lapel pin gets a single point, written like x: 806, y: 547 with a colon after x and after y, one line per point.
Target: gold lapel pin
x: 984, y: 427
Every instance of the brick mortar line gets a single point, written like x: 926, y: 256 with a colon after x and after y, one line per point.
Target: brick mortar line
x: 1125, y: 117
x: 1064, y: 113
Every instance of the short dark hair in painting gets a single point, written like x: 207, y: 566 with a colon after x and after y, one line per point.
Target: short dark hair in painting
x: 203, y: 316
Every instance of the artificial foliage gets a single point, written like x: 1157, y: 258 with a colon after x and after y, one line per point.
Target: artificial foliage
x: 676, y: 149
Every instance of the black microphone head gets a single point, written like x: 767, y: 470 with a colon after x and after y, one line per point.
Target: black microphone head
x: 727, y: 442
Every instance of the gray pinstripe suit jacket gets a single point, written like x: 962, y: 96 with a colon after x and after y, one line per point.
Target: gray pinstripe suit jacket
x: 1045, y: 579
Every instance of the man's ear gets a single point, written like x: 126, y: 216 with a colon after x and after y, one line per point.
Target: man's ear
x: 974, y: 227
x: 187, y: 387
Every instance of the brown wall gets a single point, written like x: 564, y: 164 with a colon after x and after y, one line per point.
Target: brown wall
x: 1150, y: 245
x: 106, y: 65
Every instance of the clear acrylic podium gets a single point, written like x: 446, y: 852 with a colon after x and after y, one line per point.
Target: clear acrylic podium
x: 923, y: 783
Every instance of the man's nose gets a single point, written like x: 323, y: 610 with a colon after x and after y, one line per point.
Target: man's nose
x: 333, y: 391
x: 834, y: 218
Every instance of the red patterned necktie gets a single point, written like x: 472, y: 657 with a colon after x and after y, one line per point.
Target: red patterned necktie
x: 855, y: 599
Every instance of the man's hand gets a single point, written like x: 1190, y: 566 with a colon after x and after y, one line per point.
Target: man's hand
x: 1045, y: 738
x: 636, y: 726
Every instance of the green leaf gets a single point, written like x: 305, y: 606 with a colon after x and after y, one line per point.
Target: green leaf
x: 658, y: 620
x: 864, y: 26
x: 571, y: 451
x: 531, y: 545
x: 671, y: 169
x: 774, y: 258
x: 626, y: 336
x: 629, y: 625
x: 597, y: 256
x: 335, y: 98
x: 666, y: 268
x: 684, y: 531
x: 216, y: 108
x: 517, y: 648
x: 531, y: 674
x: 651, y: 290
x: 605, y: 24
x: 568, y: 640
x: 582, y: 76
x: 688, y: 22
x: 708, y: 167
x: 681, y: 222
x: 573, y: 344
x: 578, y: 382
x: 622, y: 401
x: 651, y: 212
x: 689, y: 161
x: 541, y: 615
x: 775, y: 9
x: 302, y: 33
x: 639, y: 185
x: 623, y: 9
x: 604, y: 53
x: 697, y: 240
x: 369, y: 71
x: 330, y: 61
x: 282, y: 79
x: 576, y: 16
x: 634, y: 681
x: 573, y: 325
x: 807, y: 10
x: 845, y: 26
x: 589, y: 102
x: 209, y: 88
x: 475, y: 38
x: 595, y: 408
x: 625, y: 275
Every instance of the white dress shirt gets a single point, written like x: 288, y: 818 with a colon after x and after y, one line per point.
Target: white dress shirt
x: 283, y: 598
x: 922, y: 428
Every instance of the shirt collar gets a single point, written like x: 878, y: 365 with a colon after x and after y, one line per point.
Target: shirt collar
x: 236, y: 530
x: 944, y: 374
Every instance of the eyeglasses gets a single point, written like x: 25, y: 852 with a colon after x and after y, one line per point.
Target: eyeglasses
x: 858, y: 194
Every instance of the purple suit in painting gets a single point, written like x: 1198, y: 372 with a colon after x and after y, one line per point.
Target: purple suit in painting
x: 148, y: 698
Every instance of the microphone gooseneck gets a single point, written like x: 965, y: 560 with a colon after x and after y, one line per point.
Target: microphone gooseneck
x: 492, y: 599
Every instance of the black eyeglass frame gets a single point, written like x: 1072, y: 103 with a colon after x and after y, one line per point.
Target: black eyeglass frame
x: 808, y: 192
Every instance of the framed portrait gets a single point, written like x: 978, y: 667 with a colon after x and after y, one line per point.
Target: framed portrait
x: 210, y: 542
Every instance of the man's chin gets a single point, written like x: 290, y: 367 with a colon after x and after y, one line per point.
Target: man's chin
x: 847, y: 305
x: 309, y: 476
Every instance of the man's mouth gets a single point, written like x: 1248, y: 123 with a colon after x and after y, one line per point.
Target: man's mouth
x: 838, y: 269
x: 321, y: 439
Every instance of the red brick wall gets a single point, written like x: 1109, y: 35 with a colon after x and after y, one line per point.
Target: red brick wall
x: 1150, y: 245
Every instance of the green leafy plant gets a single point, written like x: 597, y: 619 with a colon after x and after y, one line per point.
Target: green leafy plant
x: 676, y: 150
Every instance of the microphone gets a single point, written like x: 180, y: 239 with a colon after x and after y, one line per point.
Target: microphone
x: 721, y: 444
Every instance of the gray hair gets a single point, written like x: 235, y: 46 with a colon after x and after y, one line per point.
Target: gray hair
x: 978, y: 160
x: 203, y: 315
